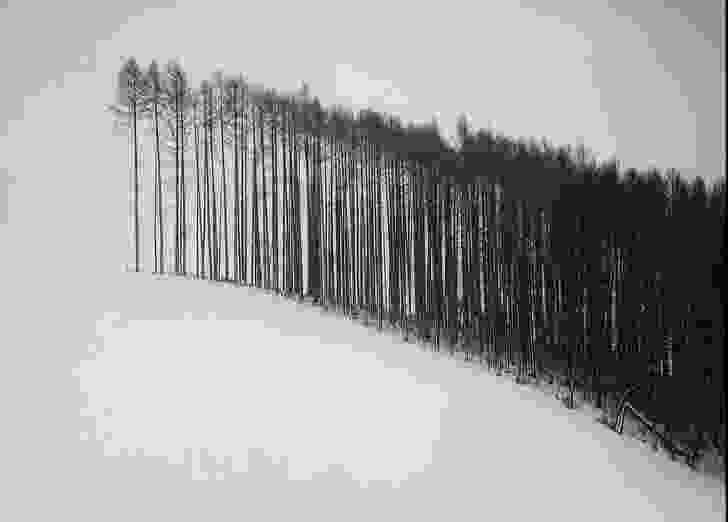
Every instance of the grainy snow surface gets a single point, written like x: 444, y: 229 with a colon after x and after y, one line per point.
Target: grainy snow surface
x: 147, y: 398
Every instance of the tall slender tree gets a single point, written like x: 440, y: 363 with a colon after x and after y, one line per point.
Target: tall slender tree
x: 130, y: 104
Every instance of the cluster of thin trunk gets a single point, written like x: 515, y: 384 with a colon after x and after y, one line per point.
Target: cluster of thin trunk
x: 520, y: 254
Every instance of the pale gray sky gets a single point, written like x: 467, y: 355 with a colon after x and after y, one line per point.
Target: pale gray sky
x: 643, y: 80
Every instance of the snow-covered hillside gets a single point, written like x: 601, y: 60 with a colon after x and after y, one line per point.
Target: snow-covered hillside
x: 176, y: 399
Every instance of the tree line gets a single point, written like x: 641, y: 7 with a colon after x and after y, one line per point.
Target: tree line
x: 517, y: 252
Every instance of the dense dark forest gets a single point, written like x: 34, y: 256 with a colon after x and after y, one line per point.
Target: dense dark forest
x: 530, y: 258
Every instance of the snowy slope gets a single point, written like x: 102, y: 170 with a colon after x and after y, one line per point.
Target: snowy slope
x: 172, y: 399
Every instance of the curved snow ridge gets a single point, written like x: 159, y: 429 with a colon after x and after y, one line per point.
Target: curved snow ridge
x: 352, y: 425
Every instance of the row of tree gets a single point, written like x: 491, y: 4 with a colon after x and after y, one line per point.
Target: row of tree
x: 521, y: 253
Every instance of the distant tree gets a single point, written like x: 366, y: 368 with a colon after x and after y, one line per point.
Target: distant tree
x: 177, y: 129
x: 156, y: 93
x: 130, y: 104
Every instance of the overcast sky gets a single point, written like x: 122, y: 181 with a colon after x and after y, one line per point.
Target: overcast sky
x: 643, y: 80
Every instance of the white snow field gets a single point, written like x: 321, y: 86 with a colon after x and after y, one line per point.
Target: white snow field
x: 152, y: 398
